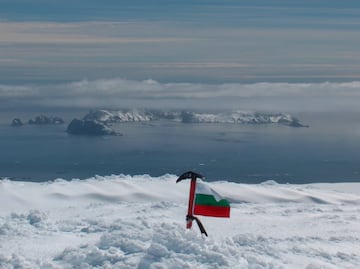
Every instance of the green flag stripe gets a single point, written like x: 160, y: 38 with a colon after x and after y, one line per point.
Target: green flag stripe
x: 206, y: 199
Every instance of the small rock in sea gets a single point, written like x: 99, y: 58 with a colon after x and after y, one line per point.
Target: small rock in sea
x: 16, y: 122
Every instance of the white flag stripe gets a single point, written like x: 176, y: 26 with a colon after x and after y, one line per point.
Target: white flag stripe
x: 204, y: 188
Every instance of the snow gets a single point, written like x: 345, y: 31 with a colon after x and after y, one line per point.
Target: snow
x: 124, y: 221
x: 118, y: 116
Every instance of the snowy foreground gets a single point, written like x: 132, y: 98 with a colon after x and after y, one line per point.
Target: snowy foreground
x: 138, y: 222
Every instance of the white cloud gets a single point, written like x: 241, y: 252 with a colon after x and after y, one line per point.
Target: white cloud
x: 175, y: 51
x: 152, y: 89
x: 12, y: 91
x: 119, y: 92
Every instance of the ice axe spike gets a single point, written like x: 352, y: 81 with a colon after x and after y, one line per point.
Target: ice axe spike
x: 200, y: 225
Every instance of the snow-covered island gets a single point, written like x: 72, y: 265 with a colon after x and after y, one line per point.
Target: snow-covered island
x: 89, y: 127
x: 241, y: 117
x: 233, y: 117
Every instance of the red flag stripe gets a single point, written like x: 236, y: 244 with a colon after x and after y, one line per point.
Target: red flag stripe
x: 212, y: 211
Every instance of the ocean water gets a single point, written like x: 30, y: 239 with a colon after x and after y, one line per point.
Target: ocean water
x: 327, y: 151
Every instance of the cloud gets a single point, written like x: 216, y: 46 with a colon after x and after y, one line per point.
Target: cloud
x: 14, y: 91
x: 153, y: 89
x: 119, y: 92
x: 76, y: 33
x: 168, y: 51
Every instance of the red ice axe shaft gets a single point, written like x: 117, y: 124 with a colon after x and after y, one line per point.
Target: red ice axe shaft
x: 191, y: 203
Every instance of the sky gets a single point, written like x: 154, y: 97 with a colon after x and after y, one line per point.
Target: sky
x: 46, y: 45
x: 179, y: 41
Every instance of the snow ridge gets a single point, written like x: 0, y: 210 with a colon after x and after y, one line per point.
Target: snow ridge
x: 124, y: 221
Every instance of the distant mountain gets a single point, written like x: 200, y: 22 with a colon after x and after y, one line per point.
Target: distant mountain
x: 233, y: 117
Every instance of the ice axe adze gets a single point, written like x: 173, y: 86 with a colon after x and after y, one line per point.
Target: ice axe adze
x: 190, y: 217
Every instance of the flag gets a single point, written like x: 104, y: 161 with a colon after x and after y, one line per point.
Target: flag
x: 209, y: 203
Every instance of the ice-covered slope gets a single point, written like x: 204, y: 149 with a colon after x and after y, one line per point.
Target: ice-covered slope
x: 138, y: 222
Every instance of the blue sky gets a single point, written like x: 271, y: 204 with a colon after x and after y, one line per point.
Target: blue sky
x: 50, y: 41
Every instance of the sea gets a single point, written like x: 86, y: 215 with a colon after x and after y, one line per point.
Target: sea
x: 327, y: 151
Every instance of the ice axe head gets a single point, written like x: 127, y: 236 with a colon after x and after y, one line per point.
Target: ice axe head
x: 190, y: 174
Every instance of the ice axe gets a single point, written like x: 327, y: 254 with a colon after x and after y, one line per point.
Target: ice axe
x: 190, y: 216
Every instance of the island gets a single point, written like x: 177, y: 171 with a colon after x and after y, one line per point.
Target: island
x: 16, y: 122
x: 185, y: 116
x: 89, y: 127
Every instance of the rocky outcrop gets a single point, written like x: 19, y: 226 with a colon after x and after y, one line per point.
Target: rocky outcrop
x: 46, y: 120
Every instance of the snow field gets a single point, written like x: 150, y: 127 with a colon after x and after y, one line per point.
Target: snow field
x: 139, y: 222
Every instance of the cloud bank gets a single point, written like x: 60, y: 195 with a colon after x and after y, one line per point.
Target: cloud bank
x: 118, y: 92
x: 248, y: 50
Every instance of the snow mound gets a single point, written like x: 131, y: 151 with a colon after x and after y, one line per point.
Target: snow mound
x: 124, y: 221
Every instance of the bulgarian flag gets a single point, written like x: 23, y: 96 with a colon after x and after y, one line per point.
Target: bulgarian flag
x: 209, y: 203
